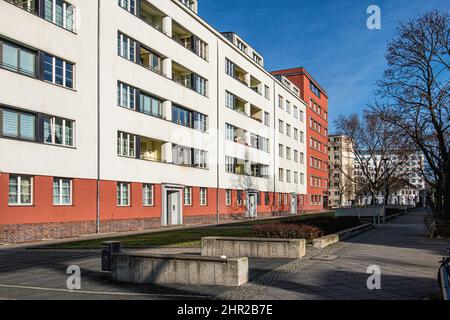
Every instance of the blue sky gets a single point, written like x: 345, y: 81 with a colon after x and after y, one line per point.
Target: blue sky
x: 329, y: 38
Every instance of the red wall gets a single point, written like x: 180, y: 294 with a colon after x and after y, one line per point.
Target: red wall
x: 84, y: 203
x: 83, y: 207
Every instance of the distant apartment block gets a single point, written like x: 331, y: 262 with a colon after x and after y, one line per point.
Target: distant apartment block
x: 316, y: 118
x: 133, y: 114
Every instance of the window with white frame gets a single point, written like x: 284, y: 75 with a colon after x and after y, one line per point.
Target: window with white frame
x: 20, y: 190
x: 228, y: 197
x: 126, y: 144
x: 302, y: 178
x: 126, y: 47
x: 281, y: 174
x: 129, y: 5
x: 148, y: 195
x: 126, y: 95
x: 188, y: 196
x: 203, y: 197
x: 58, y: 71
x: 123, y: 194
x: 62, y: 192
x: 60, y: 13
x: 59, y: 131
x: 295, y: 177
x: 267, y: 119
x: 288, y: 176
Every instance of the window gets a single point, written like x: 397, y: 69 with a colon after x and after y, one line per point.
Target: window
x: 296, y: 177
x: 302, y: 178
x: 281, y: 126
x: 280, y: 174
x: 228, y: 197
x: 58, y: 71
x: 126, y: 96
x: 182, y: 116
x: 285, y: 199
x: 266, y: 92
x: 200, y: 84
x: 295, y: 112
x: 280, y: 102
x: 59, y: 131
x: 230, y: 100
x: 187, y: 196
x: 296, y: 134
x: 28, y: 5
x: 288, y: 153
x: 189, y: 3
x: 267, y: 119
x: 239, y: 198
x: 126, y: 145
x: 200, y: 159
x: 17, y: 124
x: 129, y: 5
x: 62, y: 192
x: 288, y: 130
x: 314, y: 89
x: 17, y: 58
x: 60, y: 13
x: 280, y: 151
x: 266, y: 198
x: 302, y: 116
x: 147, y: 195
x: 200, y: 122
x: 229, y: 68
x: 302, y: 137
x: 288, y: 107
x: 126, y: 47
x: 150, y: 105
x: 20, y: 190
x: 123, y: 194
x: 203, y: 197
x: 288, y: 176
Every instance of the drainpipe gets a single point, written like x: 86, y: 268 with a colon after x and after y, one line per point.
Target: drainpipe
x: 218, y: 137
x: 98, y: 121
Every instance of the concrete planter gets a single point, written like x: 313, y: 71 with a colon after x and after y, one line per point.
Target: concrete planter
x: 253, y: 247
x: 325, y: 241
x: 179, y: 269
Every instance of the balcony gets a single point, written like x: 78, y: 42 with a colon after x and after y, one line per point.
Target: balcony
x: 28, y: 5
x: 182, y: 75
x: 189, y: 40
x: 256, y: 113
x: 151, y: 150
x: 151, y: 15
x: 256, y: 85
x: 240, y: 75
x: 150, y: 60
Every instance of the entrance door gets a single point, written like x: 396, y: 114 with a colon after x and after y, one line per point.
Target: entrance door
x: 173, y: 208
x: 252, y: 205
x: 293, y: 204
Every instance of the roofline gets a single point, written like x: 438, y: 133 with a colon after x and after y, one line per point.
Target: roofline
x: 220, y: 36
x: 300, y: 71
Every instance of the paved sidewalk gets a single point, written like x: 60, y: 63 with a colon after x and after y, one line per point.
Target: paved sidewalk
x: 408, y: 262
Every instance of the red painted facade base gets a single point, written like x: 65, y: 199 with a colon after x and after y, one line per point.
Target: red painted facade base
x: 42, y: 220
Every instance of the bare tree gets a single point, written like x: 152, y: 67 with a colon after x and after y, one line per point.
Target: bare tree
x: 342, y: 180
x: 414, y: 97
x: 378, y: 149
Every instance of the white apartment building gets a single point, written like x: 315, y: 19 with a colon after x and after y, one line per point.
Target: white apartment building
x: 132, y: 114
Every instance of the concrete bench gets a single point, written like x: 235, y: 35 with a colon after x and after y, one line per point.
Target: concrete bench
x: 179, y: 269
x: 325, y: 241
x: 253, y: 247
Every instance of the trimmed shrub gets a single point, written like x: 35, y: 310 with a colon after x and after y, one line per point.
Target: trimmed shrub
x: 287, y: 231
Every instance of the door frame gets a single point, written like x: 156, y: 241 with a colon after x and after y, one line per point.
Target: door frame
x: 294, y: 196
x: 166, y: 188
x: 251, y: 193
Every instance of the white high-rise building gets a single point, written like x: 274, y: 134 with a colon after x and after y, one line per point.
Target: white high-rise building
x: 132, y: 114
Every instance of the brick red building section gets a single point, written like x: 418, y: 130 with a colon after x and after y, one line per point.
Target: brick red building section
x: 316, y: 134
x: 42, y: 220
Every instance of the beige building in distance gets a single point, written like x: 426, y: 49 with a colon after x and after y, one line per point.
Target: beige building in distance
x: 342, y: 165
